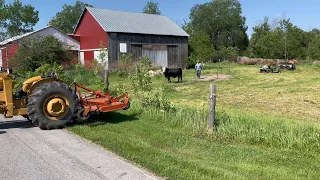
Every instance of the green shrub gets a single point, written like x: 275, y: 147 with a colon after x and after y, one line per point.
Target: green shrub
x: 77, y: 73
x: 84, y: 76
x: 156, y: 99
x: 39, y: 51
x: 98, y: 68
x: 140, y: 79
x: 125, y: 65
x: 145, y: 62
x: 191, y: 61
x: 118, y: 90
x: 46, y: 69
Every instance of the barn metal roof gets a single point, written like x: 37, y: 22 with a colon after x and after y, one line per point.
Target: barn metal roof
x: 14, y: 38
x: 65, y: 38
x: 131, y: 22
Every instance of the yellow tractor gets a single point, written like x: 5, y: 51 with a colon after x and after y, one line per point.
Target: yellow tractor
x: 49, y: 103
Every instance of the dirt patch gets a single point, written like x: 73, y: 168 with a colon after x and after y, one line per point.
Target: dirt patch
x: 211, y: 77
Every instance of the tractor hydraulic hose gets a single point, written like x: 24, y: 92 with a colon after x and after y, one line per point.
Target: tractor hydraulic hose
x: 29, y: 82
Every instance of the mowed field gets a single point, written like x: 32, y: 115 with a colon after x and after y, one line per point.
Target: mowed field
x: 267, y: 126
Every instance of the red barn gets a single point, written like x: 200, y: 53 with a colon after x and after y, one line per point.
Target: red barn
x: 9, y: 47
x: 138, y: 34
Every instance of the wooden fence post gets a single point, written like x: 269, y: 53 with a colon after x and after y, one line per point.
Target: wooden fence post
x: 212, y: 113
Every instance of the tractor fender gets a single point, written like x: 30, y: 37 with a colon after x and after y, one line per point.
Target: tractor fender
x: 38, y: 82
x: 28, y: 83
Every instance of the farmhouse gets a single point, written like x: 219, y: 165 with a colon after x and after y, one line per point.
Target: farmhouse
x: 138, y: 34
x: 9, y: 47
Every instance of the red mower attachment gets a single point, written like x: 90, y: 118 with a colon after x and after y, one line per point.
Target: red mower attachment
x: 97, y: 102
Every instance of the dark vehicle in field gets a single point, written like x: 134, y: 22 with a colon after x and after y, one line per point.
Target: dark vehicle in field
x: 287, y: 66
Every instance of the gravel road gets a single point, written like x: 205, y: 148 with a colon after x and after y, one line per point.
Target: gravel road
x: 27, y: 152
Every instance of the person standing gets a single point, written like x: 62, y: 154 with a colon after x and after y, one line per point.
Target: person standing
x: 198, y: 68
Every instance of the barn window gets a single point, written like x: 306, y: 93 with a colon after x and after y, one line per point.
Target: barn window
x: 123, y: 47
x: 158, y: 54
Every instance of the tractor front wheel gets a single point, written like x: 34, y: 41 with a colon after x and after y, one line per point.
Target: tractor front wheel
x: 52, y: 106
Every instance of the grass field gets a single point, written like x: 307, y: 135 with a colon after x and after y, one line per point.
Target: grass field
x: 267, y: 127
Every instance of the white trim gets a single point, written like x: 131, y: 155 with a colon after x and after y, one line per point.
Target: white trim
x: 3, y: 48
x: 73, y: 35
x: 81, y: 50
x: 81, y: 57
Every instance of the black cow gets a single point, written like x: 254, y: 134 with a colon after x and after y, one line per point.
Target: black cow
x: 173, y: 72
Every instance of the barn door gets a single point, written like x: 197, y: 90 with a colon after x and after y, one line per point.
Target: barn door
x: 136, y: 50
x: 158, y: 54
x: 173, y: 55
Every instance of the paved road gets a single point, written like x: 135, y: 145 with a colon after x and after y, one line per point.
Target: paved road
x: 27, y: 152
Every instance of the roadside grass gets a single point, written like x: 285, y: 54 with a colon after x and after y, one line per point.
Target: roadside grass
x: 266, y: 126
x: 175, y: 149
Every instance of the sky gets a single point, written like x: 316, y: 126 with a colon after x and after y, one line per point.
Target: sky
x: 303, y: 13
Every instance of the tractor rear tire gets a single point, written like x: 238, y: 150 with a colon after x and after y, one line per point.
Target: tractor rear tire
x: 38, y: 104
x: 26, y: 117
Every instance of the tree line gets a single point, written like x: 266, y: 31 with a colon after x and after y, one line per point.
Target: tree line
x: 218, y: 32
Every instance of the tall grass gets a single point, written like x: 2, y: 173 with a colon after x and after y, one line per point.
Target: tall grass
x: 269, y: 131
x: 242, y: 128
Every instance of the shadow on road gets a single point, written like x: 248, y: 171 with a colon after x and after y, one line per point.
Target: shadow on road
x: 95, y: 120
x: 3, y: 132
x: 15, y: 124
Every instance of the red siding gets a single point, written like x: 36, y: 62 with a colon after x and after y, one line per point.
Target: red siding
x: 91, y: 33
x: 8, y: 53
x: 88, y: 58
x: 75, y: 37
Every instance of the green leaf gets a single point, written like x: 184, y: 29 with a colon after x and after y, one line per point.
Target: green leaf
x: 67, y: 19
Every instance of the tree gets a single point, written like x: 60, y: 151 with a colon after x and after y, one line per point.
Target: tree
x: 39, y: 51
x: 259, y: 34
x: 2, y: 20
x: 201, y: 44
x: 281, y: 40
x: 2, y: 13
x: 151, y: 8
x: 222, y: 21
x: 219, y: 25
x: 19, y: 19
x: 314, y: 47
x: 228, y: 53
x: 67, y: 19
x: 103, y: 57
x: 293, y: 40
